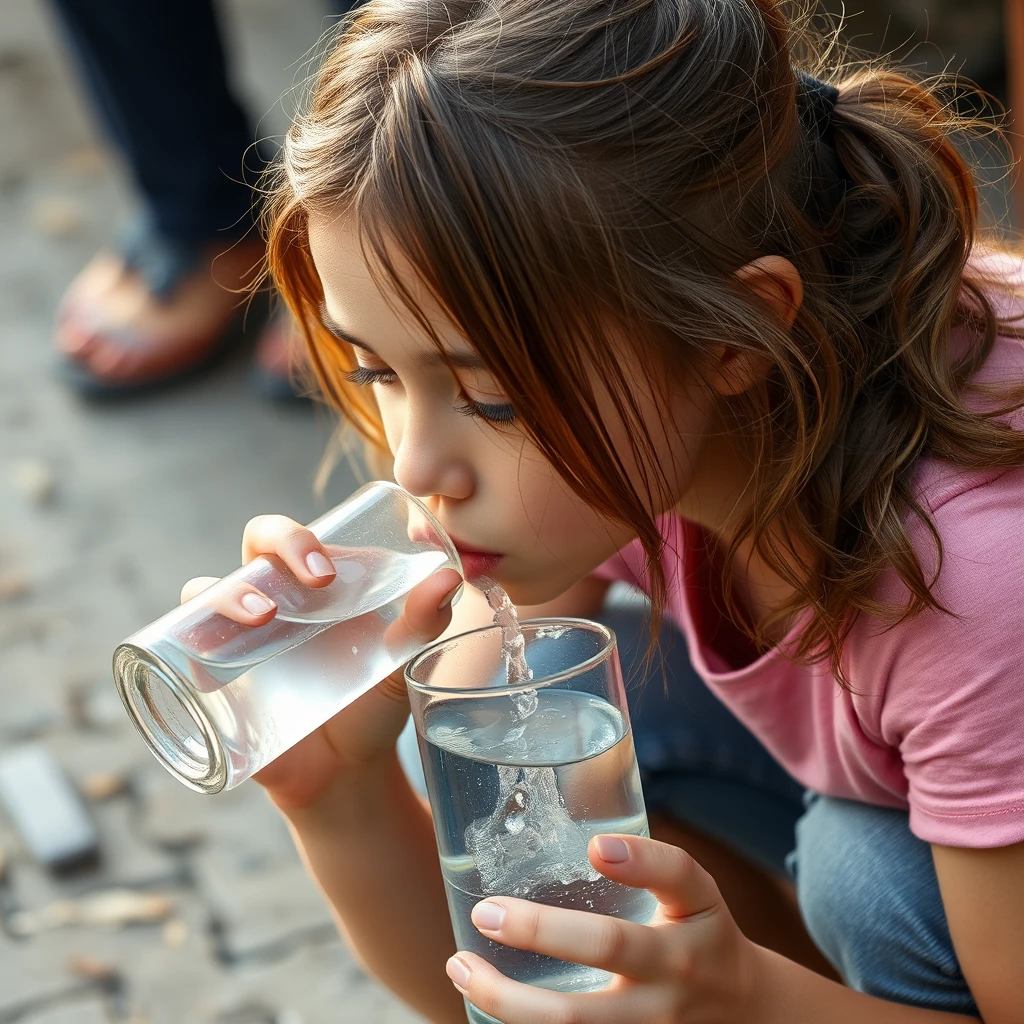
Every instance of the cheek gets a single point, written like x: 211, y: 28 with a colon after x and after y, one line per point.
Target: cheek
x: 559, y: 524
x: 391, y: 417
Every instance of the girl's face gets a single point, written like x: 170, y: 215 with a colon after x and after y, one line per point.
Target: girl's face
x: 456, y: 443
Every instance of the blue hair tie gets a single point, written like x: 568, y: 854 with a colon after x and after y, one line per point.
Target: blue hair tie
x: 818, y: 106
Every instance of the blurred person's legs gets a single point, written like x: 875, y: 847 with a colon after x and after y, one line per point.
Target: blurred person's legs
x: 279, y: 352
x: 151, y: 309
x: 171, y: 296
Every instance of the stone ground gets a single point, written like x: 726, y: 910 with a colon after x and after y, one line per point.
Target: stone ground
x: 145, y: 494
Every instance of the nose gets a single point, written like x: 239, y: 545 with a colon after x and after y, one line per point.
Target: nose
x: 428, y: 461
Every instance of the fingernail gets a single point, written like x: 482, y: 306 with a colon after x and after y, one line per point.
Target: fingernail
x: 256, y: 604
x: 488, y: 916
x: 613, y: 850
x: 458, y: 972
x: 450, y: 596
x: 319, y: 564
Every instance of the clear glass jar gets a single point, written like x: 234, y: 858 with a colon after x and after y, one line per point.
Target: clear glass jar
x: 217, y: 700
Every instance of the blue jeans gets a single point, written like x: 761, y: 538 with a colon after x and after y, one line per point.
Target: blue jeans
x: 866, y: 885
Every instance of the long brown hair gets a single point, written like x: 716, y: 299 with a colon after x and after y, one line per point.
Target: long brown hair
x: 561, y: 172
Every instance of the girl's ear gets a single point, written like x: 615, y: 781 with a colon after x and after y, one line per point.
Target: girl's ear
x: 777, y: 282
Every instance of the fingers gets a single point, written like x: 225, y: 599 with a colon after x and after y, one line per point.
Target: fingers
x: 607, y: 943
x: 296, y: 546
x: 512, y: 1002
x: 428, y: 610
x: 681, y: 885
x: 240, y: 603
x: 197, y: 585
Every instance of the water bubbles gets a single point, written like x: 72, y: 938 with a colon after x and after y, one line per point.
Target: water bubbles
x: 514, y: 808
x: 530, y: 840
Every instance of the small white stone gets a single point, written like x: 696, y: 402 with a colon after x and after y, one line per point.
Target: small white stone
x: 175, y: 933
x: 34, y: 480
x: 58, y: 216
x: 103, y: 785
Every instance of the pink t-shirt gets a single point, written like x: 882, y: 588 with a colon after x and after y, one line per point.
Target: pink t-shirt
x: 934, y: 720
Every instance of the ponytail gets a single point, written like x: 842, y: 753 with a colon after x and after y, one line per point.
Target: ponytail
x: 899, y: 248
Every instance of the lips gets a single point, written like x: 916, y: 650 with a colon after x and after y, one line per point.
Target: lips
x: 476, y: 563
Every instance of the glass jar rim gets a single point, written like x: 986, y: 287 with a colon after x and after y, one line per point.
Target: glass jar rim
x: 389, y: 485
x: 210, y: 776
x: 607, y: 648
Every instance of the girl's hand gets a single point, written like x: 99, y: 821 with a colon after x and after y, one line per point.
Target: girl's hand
x: 691, y: 965
x: 364, y: 733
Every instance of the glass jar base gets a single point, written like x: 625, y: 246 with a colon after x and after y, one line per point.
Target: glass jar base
x: 168, y: 717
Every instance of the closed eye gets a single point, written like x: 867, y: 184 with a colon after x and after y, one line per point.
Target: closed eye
x: 493, y: 413
x: 364, y: 376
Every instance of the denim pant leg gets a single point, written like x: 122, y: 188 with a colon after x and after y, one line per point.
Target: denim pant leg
x: 870, y: 899
x: 157, y: 75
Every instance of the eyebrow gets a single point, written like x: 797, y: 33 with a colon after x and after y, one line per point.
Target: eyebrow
x: 460, y: 360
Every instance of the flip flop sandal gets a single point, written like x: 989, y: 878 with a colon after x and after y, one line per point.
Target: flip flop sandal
x: 94, y: 385
x: 162, y: 263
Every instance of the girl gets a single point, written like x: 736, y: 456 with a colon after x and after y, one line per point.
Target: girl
x: 626, y: 294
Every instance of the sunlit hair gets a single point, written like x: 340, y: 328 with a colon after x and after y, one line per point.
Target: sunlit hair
x: 563, y: 174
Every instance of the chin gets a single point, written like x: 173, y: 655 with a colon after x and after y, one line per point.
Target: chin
x: 527, y: 593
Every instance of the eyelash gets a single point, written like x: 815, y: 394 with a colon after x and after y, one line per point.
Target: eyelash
x: 363, y: 377
x: 501, y: 414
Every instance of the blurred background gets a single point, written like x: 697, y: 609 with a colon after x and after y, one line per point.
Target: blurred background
x: 113, y: 492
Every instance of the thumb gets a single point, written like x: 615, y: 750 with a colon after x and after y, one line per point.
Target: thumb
x: 428, y: 608
x: 680, y: 884
x: 427, y: 612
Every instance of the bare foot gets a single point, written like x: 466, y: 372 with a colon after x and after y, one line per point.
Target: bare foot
x: 118, y: 331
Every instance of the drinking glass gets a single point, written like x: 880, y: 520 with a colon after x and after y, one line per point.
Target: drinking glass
x: 521, y: 777
x: 216, y: 700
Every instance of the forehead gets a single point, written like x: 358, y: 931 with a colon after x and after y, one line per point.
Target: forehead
x: 334, y: 245
x: 360, y: 299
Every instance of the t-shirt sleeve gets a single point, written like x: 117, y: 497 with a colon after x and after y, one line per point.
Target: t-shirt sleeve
x: 954, y: 699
